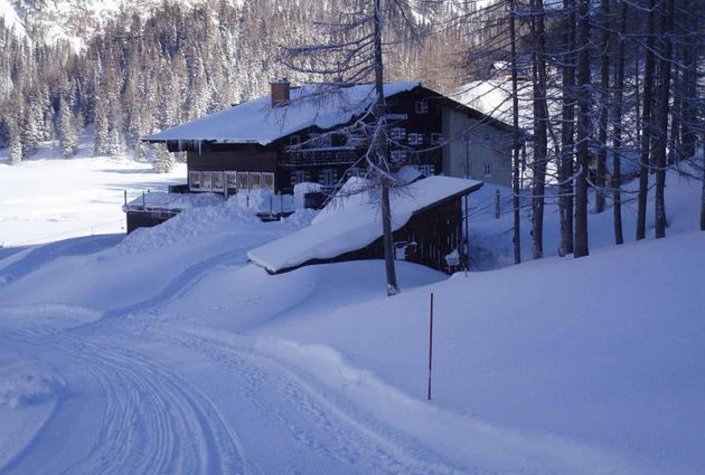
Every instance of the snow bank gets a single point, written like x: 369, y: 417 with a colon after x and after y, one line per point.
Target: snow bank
x: 28, y: 385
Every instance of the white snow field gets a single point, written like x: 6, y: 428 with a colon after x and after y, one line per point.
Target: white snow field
x: 166, y: 352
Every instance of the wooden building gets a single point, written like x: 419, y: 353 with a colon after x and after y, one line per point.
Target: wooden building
x: 317, y: 134
x: 427, y: 220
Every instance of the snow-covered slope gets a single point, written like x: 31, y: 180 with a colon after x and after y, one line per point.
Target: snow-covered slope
x: 165, y: 352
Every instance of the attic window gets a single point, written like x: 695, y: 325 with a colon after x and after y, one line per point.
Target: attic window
x: 294, y: 140
x: 421, y: 107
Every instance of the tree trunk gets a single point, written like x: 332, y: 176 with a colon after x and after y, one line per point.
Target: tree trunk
x: 662, y: 116
x: 515, y: 151
x: 581, y: 189
x: 617, y: 131
x: 646, y: 126
x: 566, y: 168
x: 381, y: 155
x: 540, y: 129
x: 604, y: 108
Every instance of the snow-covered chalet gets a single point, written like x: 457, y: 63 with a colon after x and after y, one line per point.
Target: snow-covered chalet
x: 304, y: 134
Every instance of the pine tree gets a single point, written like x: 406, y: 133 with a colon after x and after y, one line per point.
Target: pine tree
x: 163, y: 160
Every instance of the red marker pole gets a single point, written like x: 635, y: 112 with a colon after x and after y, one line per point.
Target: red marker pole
x: 430, y: 348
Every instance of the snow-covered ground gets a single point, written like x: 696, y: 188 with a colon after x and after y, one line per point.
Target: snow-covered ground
x: 46, y: 198
x: 166, y: 352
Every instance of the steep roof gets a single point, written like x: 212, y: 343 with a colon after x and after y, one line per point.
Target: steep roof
x: 322, y: 106
x: 257, y: 122
x: 353, y: 221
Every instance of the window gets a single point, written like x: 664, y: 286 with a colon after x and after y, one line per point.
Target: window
x: 294, y: 140
x: 415, y: 139
x: 206, y: 181
x: 255, y: 180
x: 428, y: 170
x: 268, y: 181
x: 231, y: 180
x: 397, y: 133
x: 298, y: 176
x: 218, y: 181
x: 327, y: 177
x: 488, y: 169
x: 243, y: 182
x: 421, y: 107
x: 194, y: 180
x: 436, y: 138
x: 398, y: 156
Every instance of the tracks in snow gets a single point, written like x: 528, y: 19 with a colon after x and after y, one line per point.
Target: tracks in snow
x: 149, y: 420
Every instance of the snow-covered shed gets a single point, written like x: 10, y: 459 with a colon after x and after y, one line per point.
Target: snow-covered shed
x: 305, y: 134
x: 427, y: 221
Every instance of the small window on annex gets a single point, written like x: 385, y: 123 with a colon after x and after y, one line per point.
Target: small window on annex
x: 231, y: 180
x: 255, y: 180
x: 243, y: 182
x: 428, y: 170
x: 218, y: 181
x: 488, y: 169
x: 206, y: 181
x: 194, y: 180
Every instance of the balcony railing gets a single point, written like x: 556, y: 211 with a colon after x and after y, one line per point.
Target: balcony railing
x: 321, y: 156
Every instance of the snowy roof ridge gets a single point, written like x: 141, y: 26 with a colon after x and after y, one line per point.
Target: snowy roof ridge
x: 353, y: 222
x: 258, y: 122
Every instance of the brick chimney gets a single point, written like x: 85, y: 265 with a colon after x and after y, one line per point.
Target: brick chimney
x: 281, y: 92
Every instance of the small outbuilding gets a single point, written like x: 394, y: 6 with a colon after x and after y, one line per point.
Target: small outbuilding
x: 427, y: 219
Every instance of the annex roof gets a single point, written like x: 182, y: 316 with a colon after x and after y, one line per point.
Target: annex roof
x: 258, y: 122
x: 353, y: 221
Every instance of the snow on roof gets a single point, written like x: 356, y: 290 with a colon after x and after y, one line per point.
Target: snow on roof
x: 258, y: 122
x: 352, y: 222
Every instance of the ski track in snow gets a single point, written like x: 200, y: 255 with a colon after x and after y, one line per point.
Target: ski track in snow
x: 146, y: 417
x: 185, y: 280
x: 152, y: 420
x: 345, y: 439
